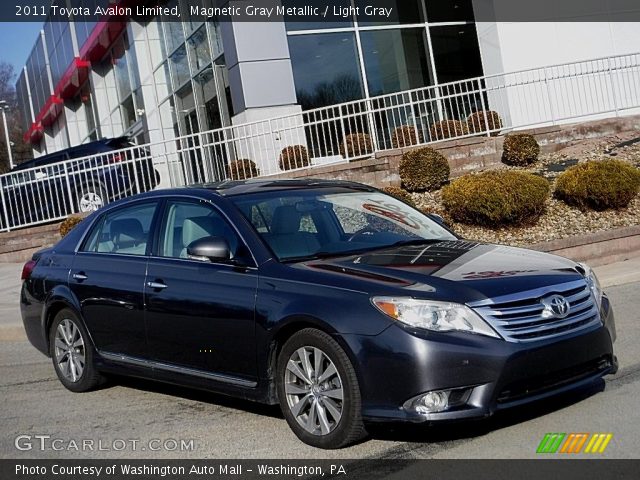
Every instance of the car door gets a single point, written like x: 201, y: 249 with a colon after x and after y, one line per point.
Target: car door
x: 108, y: 277
x: 200, y: 315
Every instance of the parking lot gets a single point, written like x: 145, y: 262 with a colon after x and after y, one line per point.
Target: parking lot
x: 135, y: 419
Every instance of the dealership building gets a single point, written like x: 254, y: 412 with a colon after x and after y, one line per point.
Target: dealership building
x: 154, y: 81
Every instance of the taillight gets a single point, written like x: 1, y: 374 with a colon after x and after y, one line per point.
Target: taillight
x: 27, y: 269
x: 117, y: 158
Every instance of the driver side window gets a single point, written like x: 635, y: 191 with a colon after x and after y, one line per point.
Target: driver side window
x: 186, y: 222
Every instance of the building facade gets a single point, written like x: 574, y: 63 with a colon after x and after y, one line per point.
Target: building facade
x: 156, y: 81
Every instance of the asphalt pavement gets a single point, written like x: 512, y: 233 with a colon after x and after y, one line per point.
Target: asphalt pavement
x: 138, y: 419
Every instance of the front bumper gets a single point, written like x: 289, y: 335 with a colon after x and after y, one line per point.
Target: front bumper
x: 398, y: 365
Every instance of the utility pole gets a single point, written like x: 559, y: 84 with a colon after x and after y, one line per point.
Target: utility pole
x: 4, y: 107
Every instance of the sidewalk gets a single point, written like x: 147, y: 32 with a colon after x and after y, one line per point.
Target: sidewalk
x: 11, y: 329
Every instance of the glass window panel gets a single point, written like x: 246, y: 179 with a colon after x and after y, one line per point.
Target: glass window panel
x: 404, y: 12
x: 174, y: 33
x: 128, y: 112
x: 293, y: 23
x: 162, y: 82
x: 325, y: 69
x: 216, y: 38
x: 449, y: 11
x: 396, y: 60
x: 121, y: 69
x: 125, y: 231
x: 206, y: 97
x: 179, y: 67
x: 132, y: 61
x: 456, y: 52
x: 199, y: 48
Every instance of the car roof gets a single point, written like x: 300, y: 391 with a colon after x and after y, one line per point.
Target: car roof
x: 245, y: 187
x: 55, y: 156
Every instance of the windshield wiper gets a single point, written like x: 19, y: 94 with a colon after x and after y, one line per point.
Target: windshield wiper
x: 324, y: 254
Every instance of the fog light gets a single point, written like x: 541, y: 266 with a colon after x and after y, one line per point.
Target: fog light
x: 433, y: 402
x: 439, y: 400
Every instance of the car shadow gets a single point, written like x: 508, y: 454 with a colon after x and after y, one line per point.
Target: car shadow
x: 462, y: 430
x: 196, y: 395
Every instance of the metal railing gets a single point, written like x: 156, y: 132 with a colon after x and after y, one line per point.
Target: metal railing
x: 340, y: 133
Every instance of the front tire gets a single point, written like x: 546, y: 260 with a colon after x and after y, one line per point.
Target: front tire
x: 318, y: 391
x: 72, y: 353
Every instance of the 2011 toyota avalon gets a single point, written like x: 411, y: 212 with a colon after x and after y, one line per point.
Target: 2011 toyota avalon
x: 340, y: 303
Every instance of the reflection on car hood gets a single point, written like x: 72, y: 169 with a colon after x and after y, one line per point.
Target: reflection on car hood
x: 481, y: 270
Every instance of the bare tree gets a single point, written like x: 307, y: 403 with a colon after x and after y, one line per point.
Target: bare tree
x: 21, y: 151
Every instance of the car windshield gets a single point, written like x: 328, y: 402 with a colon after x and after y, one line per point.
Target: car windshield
x: 320, y: 223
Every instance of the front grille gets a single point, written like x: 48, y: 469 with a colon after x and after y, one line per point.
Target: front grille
x: 552, y: 381
x: 519, y: 318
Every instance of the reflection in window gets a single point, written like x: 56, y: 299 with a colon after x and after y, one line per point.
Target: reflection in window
x: 173, y: 32
x: 404, y: 12
x: 199, y: 48
x: 121, y: 69
x: 179, y: 67
x: 325, y: 69
x: 449, y: 11
x: 293, y: 23
x: 395, y: 60
x: 207, y: 99
x: 128, y: 112
x: 456, y: 52
x: 216, y: 37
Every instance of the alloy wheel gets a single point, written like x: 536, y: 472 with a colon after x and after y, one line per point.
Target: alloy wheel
x: 314, y: 390
x: 70, y: 351
x: 90, y: 201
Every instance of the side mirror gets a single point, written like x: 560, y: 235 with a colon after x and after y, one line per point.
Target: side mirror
x: 213, y: 249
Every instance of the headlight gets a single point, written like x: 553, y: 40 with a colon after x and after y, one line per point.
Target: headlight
x: 432, y: 315
x: 592, y: 281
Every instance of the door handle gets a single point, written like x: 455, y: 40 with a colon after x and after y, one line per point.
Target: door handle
x: 81, y: 277
x: 156, y: 285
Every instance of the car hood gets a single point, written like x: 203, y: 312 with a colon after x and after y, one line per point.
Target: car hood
x: 457, y: 270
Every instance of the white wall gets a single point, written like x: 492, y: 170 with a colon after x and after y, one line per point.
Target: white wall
x: 559, y: 36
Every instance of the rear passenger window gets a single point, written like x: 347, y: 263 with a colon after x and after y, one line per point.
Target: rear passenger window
x: 125, y: 231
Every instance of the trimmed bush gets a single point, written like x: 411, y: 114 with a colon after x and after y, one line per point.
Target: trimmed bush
x: 423, y: 169
x: 69, y: 224
x: 405, y: 136
x: 400, y: 194
x: 520, y: 149
x: 242, y: 169
x: 496, y: 198
x: 478, y: 122
x: 599, y: 185
x: 357, y: 145
x: 292, y: 157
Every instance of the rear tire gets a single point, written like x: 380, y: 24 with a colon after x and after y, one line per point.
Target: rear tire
x: 91, y: 197
x: 72, y: 353
x: 318, y: 391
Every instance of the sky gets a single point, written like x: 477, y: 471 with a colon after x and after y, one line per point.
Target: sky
x: 16, y: 41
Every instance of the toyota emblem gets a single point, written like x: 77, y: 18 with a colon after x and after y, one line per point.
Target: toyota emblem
x: 555, y: 306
